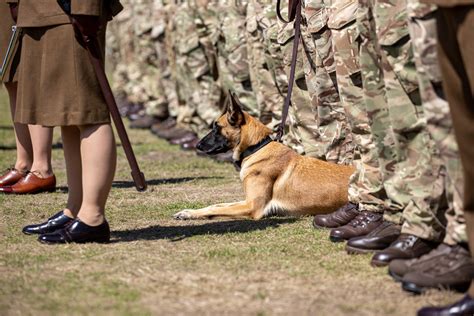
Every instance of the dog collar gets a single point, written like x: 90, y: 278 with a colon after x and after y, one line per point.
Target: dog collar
x: 251, y: 150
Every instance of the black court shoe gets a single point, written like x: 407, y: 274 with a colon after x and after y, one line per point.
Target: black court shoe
x: 53, y: 223
x: 78, y: 232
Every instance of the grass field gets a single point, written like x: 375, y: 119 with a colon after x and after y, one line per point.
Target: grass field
x: 158, y: 266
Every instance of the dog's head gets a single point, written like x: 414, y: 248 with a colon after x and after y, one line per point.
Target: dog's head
x: 226, y: 130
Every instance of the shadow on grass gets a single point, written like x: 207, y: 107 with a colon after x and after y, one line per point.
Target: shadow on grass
x: 6, y: 127
x: 131, y: 184
x: 177, y: 233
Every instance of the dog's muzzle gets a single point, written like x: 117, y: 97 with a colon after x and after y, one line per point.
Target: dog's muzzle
x: 213, y: 143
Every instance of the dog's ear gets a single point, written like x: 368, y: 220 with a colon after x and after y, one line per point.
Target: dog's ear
x: 235, y: 115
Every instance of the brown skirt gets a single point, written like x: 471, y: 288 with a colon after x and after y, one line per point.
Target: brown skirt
x: 6, y: 23
x: 57, y: 84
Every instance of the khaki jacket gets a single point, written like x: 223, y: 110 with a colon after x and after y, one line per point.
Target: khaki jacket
x: 40, y: 13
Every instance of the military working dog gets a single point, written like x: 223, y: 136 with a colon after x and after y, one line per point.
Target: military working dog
x: 276, y: 180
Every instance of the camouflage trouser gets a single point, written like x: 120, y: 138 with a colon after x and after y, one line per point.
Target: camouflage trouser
x: 325, y: 131
x: 300, y: 96
x: 422, y: 26
x: 120, y: 49
x: 148, y: 90
x: 317, y: 116
x: 163, y: 74
x: 366, y: 187
x: 195, y: 82
x: 234, y: 73
x: 207, y: 23
x: 260, y: 19
x: 409, y: 161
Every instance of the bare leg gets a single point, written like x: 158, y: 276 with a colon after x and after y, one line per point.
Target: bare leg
x: 24, y: 150
x: 72, y: 155
x: 99, y: 157
x: 41, y: 139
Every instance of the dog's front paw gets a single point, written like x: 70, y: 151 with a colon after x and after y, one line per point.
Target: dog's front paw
x: 183, y: 215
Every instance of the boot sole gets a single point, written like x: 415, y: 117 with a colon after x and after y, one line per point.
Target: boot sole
x: 378, y: 264
x: 336, y: 239
x: 418, y: 290
x: 396, y: 277
x: 358, y: 251
x: 75, y: 242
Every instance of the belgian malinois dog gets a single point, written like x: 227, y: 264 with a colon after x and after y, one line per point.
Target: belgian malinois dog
x: 277, y: 180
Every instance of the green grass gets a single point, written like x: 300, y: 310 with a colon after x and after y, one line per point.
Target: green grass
x: 158, y: 266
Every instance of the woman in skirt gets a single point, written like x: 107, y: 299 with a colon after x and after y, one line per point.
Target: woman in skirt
x: 32, y: 171
x: 58, y: 87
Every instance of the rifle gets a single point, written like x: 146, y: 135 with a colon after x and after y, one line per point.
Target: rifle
x: 12, y: 45
x: 95, y: 55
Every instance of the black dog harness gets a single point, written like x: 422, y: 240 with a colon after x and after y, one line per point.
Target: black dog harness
x: 251, y: 150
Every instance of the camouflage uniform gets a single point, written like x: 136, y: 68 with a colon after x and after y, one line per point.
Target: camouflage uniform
x: 316, y: 110
x: 163, y: 73
x: 195, y: 81
x: 326, y: 133
x: 422, y: 26
x: 300, y: 95
x: 233, y: 66
x: 366, y: 186
x: 147, y: 88
x: 120, y: 49
x: 409, y: 162
x: 266, y: 75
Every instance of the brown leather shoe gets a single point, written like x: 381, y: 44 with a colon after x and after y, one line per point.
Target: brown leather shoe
x: 145, y: 122
x: 361, y: 225
x: 185, y: 138
x: 165, y: 125
x: 11, y: 176
x: 405, y: 247
x: 454, y: 270
x: 338, y: 218
x: 399, y: 267
x: 169, y: 134
x: 378, y: 239
x: 31, y: 184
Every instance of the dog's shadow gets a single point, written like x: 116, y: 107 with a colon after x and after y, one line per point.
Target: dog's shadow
x: 177, y: 233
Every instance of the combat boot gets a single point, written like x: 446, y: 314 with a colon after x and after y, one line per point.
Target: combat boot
x: 378, y: 239
x: 465, y: 306
x: 453, y: 270
x: 167, y: 124
x: 399, y: 267
x: 405, y: 247
x: 146, y: 122
x: 361, y: 225
x: 341, y: 217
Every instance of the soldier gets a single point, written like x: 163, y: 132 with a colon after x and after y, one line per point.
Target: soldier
x: 233, y: 65
x: 452, y: 260
x: 408, y: 159
x: 455, y: 23
x: 197, y: 91
x: 266, y: 73
x: 32, y: 171
x: 149, y: 90
x: 317, y: 112
x: 78, y: 106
